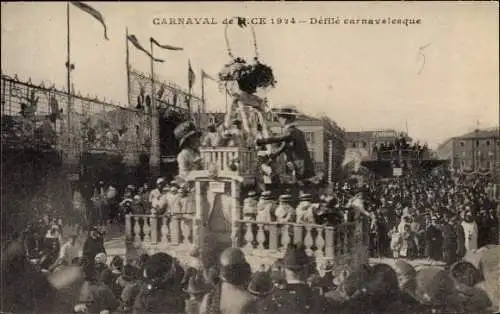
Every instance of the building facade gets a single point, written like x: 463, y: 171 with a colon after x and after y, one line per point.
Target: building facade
x: 475, y: 151
x: 367, y: 140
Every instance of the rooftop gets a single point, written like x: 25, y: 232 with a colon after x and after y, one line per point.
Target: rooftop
x: 484, y: 133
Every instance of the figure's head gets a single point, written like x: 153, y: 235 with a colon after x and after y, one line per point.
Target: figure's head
x: 286, y: 115
x: 406, y: 274
x: 187, y: 135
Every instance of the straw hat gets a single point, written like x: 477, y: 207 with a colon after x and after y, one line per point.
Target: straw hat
x: 184, y: 131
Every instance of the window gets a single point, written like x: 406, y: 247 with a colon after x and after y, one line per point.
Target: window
x: 487, y: 143
x: 462, y: 144
x: 309, y: 137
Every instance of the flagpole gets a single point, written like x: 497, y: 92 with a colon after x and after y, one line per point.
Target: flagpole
x: 154, y: 155
x: 202, y: 109
x: 127, y: 64
x: 68, y: 66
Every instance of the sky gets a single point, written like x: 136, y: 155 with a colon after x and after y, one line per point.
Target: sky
x: 365, y: 77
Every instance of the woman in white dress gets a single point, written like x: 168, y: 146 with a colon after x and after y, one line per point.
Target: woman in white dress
x: 189, y: 158
x: 470, y: 231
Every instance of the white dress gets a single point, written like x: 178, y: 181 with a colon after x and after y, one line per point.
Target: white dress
x: 470, y: 231
x: 304, y: 213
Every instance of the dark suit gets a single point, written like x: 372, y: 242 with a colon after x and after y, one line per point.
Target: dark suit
x: 450, y: 244
x: 459, y: 231
x: 294, y: 146
x: 434, y: 241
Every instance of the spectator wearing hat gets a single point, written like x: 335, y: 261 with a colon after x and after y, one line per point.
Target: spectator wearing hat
x: 250, y: 206
x: 160, y: 292
x: 100, y: 263
x: 434, y: 240
x: 67, y: 253
x: 156, y: 193
x: 261, y: 285
x: 297, y: 296
x: 268, y: 176
x: 235, y: 137
x: 130, y: 287
x: 112, y: 273
x: 189, y: 158
x: 184, y: 201
x: 460, y: 235
x: 95, y: 296
x: 304, y: 211
x: 470, y: 232
x: 265, y: 207
x: 212, y: 138
x: 450, y: 242
x: 300, y: 165
x: 406, y: 275
x: 93, y: 245
x: 285, y: 212
x: 436, y: 290
x: 230, y: 295
x: 196, y: 289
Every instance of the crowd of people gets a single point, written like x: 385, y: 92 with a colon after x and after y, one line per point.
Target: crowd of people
x: 87, y: 283
x: 400, y: 144
x: 440, y: 217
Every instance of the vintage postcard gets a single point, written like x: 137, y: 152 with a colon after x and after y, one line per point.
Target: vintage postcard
x: 250, y: 157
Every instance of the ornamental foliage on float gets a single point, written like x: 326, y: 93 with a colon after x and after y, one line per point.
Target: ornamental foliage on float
x: 248, y: 75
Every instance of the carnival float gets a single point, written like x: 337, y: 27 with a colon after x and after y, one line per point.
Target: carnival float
x: 227, y: 208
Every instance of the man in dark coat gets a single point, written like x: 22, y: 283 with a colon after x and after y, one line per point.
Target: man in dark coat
x: 450, y: 243
x: 434, y: 240
x: 160, y: 293
x: 296, y: 296
x: 93, y: 245
x: 459, y: 231
x: 300, y: 166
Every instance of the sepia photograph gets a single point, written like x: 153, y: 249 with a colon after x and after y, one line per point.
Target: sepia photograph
x: 250, y: 157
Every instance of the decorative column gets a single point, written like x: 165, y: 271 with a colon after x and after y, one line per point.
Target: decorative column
x: 235, y: 213
x: 198, y: 221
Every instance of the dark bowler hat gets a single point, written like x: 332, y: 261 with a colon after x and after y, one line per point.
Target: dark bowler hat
x: 433, y: 286
x: 130, y: 273
x: 184, y: 131
x: 285, y: 198
x: 261, y: 284
x: 232, y: 256
x: 295, y: 258
x: 286, y: 111
x: 465, y: 273
x: 305, y: 197
x: 266, y: 195
x: 158, y: 265
x: 404, y: 268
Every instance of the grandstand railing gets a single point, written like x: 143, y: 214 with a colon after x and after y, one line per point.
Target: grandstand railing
x: 241, y: 160
x: 271, y: 237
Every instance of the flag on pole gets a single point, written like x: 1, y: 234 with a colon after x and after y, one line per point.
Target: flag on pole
x: 204, y: 75
x: 137, y: 45
x: 168, y: 47
x: 191, y: 76
x: 96, y: 14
